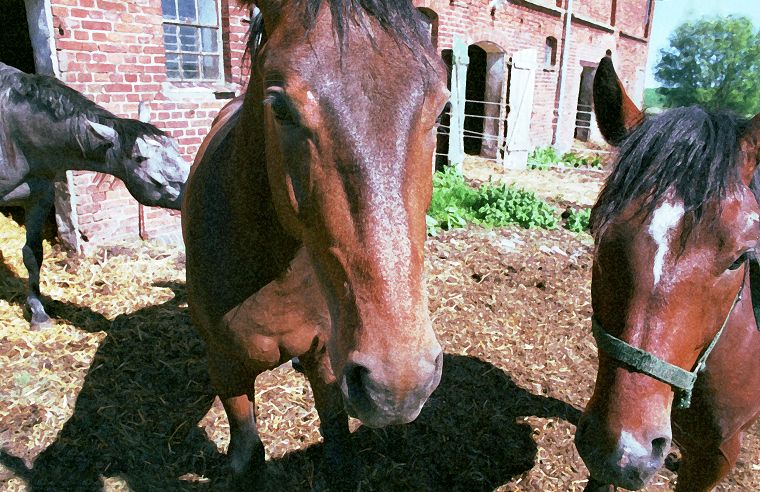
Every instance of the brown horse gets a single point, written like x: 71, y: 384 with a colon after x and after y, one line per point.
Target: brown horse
x: 304, y: 219
x: 675, y: 227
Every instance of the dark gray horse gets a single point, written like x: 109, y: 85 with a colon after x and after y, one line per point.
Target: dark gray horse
x: 47, y: 128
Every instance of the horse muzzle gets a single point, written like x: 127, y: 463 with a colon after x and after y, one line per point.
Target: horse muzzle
x: 630, y: 462
x: 373, y: 394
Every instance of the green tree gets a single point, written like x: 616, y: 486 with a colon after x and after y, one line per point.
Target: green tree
x: 714, y: 63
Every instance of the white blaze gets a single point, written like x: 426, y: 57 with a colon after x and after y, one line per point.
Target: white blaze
x: 752, y: 218
x: 631, y: 447
x: 666, y: 217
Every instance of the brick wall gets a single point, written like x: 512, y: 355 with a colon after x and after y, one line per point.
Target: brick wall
x: 518, y: 24
x: 598, y: 10
x: 631, y: 17
x: 113, y: 52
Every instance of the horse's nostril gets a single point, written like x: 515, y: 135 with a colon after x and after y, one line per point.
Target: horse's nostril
x: 355, y: 375
x: 439, y: 360
x: 660, y: 447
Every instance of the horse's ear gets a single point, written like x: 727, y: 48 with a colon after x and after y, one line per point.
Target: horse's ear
x: 616, y: 114
x: 269, y: 10
x: 103, y: 132
x: 749, y: 144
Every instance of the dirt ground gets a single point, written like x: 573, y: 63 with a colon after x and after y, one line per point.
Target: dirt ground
x: 562, y: 186
x: 116, y: 395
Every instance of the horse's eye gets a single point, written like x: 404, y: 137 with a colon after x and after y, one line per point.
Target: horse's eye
x: 282, y: 111
x: 738, y: 262
x: 140, y: 159
x: 281, y: 108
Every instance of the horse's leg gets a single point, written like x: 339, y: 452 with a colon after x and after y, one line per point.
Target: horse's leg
x: 35, y: 215
x: 340, y: 461
x: 245, y: 453
x: 703, y: 467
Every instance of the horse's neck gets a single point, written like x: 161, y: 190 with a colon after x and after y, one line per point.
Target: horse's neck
x: 247, y: 170
x: 248, y: 182
x: 51, y: 147
x: 85, y: 154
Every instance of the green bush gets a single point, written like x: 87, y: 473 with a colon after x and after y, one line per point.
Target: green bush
x: 571, y: 159
x: 578, y: 220
x: 543, y: 157
x: 455, y: 204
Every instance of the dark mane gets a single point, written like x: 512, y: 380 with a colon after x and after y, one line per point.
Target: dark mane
x: 61, y: 102
x: 689, y: 152
x: 398, y: 17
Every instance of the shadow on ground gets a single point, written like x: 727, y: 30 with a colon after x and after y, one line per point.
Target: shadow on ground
x: 136, y: 414
x: 147, y: 387
x: 467, y: 438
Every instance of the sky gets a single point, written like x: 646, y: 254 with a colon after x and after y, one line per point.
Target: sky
x: 669, y: 14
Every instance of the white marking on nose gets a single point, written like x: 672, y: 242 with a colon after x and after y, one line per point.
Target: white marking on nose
x: 752, y: 217
x: 666, y: 217
x: 310, y: 95
x: 631, y: 446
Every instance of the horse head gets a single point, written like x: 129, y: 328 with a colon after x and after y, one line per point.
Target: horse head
x: 673, y: 228
x: 149, y: 163
x: 348, y: 103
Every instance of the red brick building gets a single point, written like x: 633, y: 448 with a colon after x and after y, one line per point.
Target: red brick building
x: 176, y: 62
x: 175, y: 67
x: 566, y: 38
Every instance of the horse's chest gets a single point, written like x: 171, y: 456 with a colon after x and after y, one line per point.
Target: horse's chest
x: 282, y: 319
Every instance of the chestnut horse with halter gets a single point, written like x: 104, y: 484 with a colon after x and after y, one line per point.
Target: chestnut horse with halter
x: 675, y: 229
x: 304, y: 219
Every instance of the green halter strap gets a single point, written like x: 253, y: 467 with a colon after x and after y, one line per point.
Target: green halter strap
x: 644, y: 362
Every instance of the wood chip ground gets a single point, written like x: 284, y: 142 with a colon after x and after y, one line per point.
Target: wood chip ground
x: 116, y: 395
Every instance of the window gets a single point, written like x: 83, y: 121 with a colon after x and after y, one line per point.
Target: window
x: 192, y: 39
x: 430, y: 18
x: 550, y: 52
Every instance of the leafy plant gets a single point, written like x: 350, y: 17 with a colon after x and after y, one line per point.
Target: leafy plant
x: 653, y: 98
x: 571, y: 159
x: 542, y: 158
x: 455, y: 204
x: 578, y: 220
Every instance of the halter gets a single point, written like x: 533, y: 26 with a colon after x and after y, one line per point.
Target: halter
x: 681, y: 380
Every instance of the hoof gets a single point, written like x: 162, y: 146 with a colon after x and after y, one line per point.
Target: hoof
x: 251, y: 475
x: 41, y: 324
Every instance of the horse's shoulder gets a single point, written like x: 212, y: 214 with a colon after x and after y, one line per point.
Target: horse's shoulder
x: 230, y: 253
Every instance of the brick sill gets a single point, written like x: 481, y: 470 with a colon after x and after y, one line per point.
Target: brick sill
x: 593, y: 23
x: 634, y: 37
x: 544, y: 5
x: 200, y: 91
